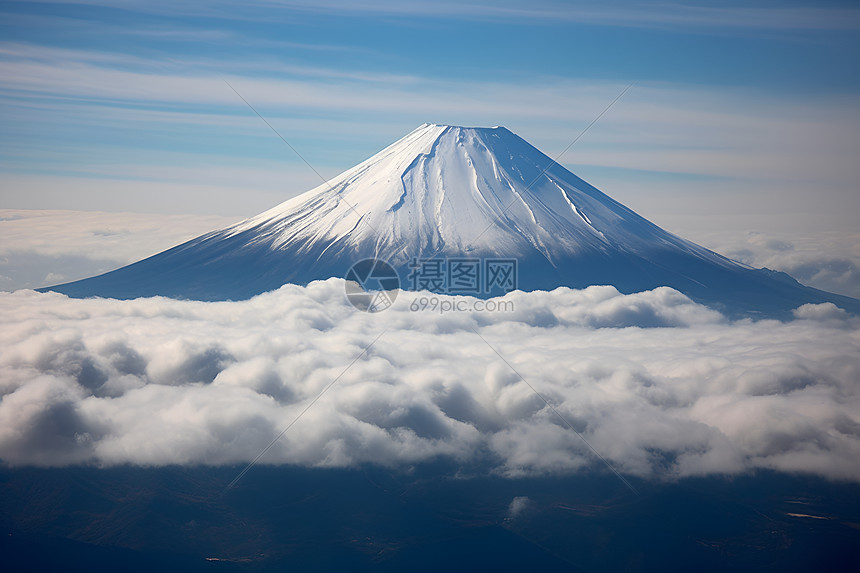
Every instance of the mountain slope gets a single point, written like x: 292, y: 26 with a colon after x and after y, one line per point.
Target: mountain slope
x: 448, y: 191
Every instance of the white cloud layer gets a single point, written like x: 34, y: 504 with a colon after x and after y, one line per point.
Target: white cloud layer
x: 661, y: 386
x: 41, y: 248
x: 826, y: 260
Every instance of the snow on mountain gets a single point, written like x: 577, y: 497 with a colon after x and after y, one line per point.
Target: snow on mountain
x: 449, y: 191
x: 454, y: 190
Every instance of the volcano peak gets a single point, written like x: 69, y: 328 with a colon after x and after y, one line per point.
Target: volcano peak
x: 449, y: 192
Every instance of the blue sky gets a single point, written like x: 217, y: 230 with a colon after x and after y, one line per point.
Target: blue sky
x: 747, y: 112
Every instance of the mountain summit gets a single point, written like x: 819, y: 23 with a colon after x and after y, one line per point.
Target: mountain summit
x: 445, y: 192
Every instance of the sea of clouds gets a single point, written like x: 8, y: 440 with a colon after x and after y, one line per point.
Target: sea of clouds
x: 660, y: 386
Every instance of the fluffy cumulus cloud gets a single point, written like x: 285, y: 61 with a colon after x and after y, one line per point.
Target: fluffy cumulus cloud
x: 660, y: 386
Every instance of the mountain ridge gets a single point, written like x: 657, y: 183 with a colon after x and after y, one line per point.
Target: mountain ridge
x: 454, y: 192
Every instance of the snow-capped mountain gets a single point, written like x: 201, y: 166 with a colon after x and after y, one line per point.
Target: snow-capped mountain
x: 445, y: 192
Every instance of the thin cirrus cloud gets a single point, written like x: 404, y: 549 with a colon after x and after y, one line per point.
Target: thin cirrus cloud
x: 660, y: 128
x: 128, y: 117
x: 713, y: 15
x: 662, y: 387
